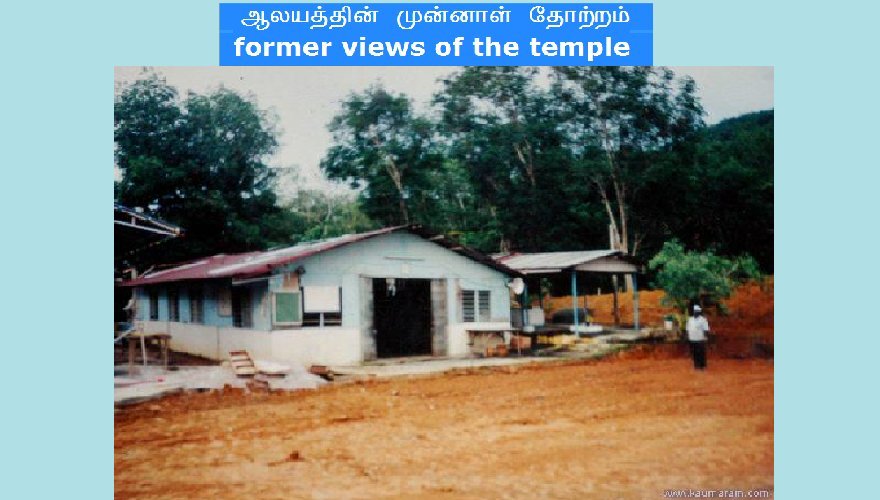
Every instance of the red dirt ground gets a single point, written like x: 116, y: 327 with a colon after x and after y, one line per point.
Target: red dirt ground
x: 630, y: 426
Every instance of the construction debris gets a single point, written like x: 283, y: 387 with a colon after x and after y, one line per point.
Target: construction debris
x: 153, y: 382
x: 322, y: 371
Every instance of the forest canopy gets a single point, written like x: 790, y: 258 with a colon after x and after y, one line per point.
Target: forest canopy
x: 504, y: 159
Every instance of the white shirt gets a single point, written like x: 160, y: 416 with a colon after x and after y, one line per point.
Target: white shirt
x: 697, y: 326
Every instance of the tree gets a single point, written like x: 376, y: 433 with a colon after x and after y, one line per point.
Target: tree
x: 199, y: 162
x: 325, y: 215
x: 620, y: 124
x: 388, y: 152
x: 733, y: 199
x: 503, y: 130
x: 690, y: 277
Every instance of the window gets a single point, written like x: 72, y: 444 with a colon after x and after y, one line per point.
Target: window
x: 322, y: 306
x: 154, y: 305
x: 173, y: 305
x: 322, y: 319
x: 475, y: 306
x: 224, y: 301
x: 196, y: 305
x: 286, y: 300
x: 467, y: 306
x: 286, y: 308
x: 484, y: 306
x: 241, y: 307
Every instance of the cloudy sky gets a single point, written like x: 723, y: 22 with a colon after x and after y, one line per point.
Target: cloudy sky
x: 305, y: 99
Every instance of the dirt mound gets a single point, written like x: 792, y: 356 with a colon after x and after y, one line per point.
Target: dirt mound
x: 749, y: 309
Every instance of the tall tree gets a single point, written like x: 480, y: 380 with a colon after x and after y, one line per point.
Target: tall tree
x: 503, y: 129
x: 199, y: 162
x: 733, y: 171
x: 619, y: 123
x: 382, y: 147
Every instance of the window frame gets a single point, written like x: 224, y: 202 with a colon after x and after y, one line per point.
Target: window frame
x: 196, y: 295
x: 484, y: 315
x: 286, y: 324
x: 172, y: 296
x: 321, y: 319
x: 242, y: 317
x: 153, y: 299
x: 478, y: 313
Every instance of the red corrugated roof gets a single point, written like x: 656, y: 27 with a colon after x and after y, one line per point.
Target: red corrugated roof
x: 252, y: 264
x: 194, y: 270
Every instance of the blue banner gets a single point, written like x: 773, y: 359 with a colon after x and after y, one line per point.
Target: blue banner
x: 546, y: 34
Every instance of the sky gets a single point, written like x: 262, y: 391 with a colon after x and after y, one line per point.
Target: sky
x: 305, y: 99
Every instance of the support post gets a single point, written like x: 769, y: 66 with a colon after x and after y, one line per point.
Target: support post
x: 144, y: 350
x: 586, y: 303
x: 525, y: 304
x: 635, y: 302
x: 574, y: 303
x: 614, y: 280
x: 131, y: 354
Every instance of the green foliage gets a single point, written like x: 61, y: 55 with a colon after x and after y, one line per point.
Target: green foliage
x: 503, y: 130
x: 715, y: 191
x: 733, y: 188
x: 383, y: 148
x: 689, y: 277
x: 324, y: 215
x: 502, y: 162
x: 625, y: 128
x: 512, y: 164
x: 199, y: 162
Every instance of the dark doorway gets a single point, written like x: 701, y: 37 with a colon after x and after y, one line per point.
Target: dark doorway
x: 402, y: 317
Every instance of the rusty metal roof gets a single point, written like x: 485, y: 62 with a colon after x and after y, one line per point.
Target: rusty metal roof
x: 253, y: 264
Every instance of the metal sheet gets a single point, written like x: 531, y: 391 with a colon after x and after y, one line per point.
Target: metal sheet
x: 603, y: 261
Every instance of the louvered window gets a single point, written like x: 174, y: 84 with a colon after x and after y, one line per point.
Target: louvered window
x: 467, y: 306
x: 484, y: 306
x: 475, y: 306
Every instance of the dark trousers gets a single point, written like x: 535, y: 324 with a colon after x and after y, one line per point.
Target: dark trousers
x: 698, y: 351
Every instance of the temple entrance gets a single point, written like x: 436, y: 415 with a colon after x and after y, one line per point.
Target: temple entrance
x: 402, y: 317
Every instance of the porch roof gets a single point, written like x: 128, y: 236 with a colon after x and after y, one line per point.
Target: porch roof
x: 599, y: 261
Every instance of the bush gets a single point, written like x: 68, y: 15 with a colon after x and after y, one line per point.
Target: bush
x: 689, y: 277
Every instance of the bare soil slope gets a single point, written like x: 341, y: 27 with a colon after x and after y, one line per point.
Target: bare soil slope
x: 749, y: 309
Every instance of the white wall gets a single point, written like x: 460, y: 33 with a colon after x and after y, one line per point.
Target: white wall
x: 322, y: 346
x: 458, y: 337
x: 402, y: 255
x: 255, y: 342
x: 306, y: 346
x: 201, y: 340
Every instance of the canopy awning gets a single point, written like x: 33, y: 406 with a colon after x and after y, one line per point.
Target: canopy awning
x: 596, y: 261
x: 590, y: 261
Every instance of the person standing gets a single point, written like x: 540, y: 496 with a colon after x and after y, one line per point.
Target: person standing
x: 697, y: 328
